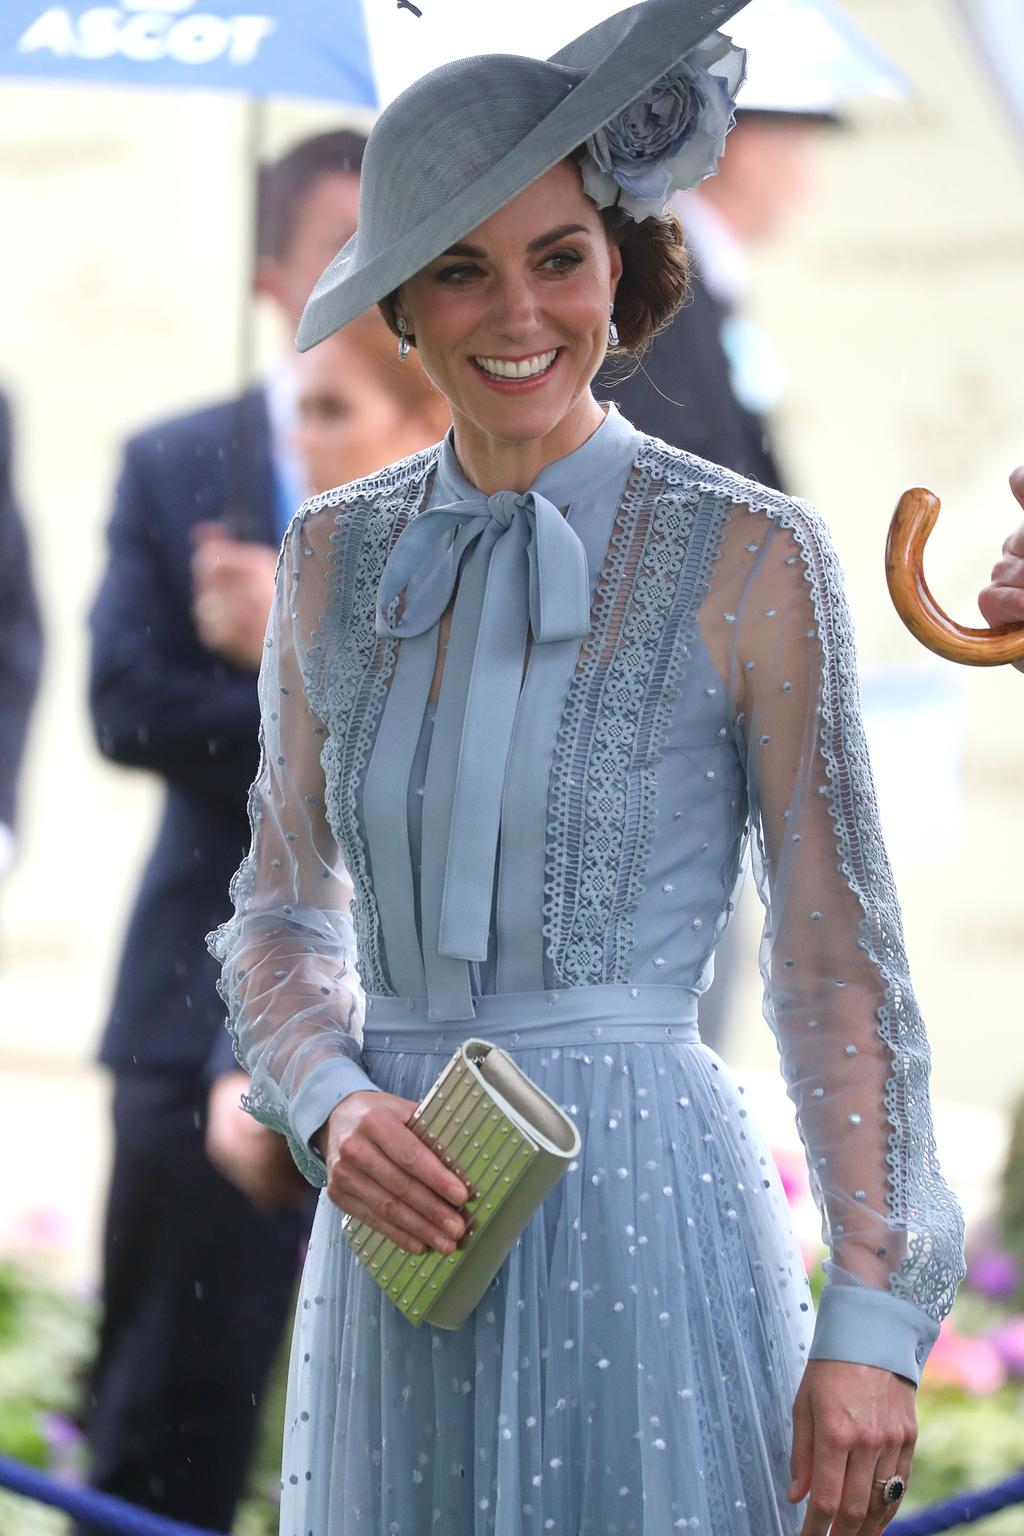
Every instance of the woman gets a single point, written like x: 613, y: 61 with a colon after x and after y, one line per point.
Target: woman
x: 358, y: 409
x: 529, y: 689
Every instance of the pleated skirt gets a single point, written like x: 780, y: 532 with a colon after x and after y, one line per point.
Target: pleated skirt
x: 631, y: 1369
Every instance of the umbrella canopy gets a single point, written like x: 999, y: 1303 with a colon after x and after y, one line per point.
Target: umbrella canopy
x: 360, y: 52
x: 273, y: 47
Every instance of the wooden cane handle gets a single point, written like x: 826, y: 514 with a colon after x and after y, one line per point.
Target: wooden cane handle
x: 911, y: 526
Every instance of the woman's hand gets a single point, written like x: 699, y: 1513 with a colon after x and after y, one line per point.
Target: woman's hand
x: 381, y: 1172
x: 853, y: 1425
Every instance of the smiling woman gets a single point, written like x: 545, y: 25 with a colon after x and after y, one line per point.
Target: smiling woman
x: 532, y: 693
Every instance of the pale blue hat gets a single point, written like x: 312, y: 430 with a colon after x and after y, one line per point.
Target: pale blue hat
x: 468, y: 137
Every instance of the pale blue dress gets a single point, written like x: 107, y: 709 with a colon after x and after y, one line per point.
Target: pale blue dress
x: 648, y: 658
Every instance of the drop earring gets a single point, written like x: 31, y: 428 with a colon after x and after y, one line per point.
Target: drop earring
x: 403, y: 339
x: 613, y: 330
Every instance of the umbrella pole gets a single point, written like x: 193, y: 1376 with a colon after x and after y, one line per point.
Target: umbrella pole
x: 254, y: 140
x: 239, y: 516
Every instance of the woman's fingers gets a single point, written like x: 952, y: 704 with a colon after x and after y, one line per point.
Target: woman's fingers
x: 406, y: 1240
x: 368, y: 1159
x: 384, y: 1212
x: 828, y: 1475
x: 860, y: 1507
x: 374, y: 1158
x: 415, y: 1158
x: 901, y: 1465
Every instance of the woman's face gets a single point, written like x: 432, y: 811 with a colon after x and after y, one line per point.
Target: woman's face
x: 511, y: 323
x: 350, y: 424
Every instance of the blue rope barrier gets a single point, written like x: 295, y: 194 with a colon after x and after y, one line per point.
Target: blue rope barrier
x: 962, y: 1510
x: 122, y: 1519
x: 100, y: 1509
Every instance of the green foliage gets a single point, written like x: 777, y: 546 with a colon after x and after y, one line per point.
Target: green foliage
x: 46, y: 1342
x: 969, y: 1442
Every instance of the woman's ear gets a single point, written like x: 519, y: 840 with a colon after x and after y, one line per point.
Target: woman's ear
x: 615, y: 265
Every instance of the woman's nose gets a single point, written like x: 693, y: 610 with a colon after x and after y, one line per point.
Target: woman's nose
x: 515, y: 309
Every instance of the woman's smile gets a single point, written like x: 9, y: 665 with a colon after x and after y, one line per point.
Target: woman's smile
x: 516, y: 375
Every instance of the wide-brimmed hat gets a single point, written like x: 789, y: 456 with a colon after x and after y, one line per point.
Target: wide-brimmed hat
x: 467, y: 138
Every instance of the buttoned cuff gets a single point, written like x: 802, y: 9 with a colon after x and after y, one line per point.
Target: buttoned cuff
x: 872, y: 1327
x: 322, y: 1091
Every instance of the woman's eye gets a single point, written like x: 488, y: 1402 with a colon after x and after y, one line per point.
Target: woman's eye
x: 456, y: 274
x: 563, y: 261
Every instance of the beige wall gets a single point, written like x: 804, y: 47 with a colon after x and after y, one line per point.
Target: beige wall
x: 896, y: 304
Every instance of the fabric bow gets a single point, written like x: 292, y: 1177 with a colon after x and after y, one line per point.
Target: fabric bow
x: 425, y: 563
x: 520, y: 569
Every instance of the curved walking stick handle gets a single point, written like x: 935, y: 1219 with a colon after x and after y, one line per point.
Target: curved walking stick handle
x: 911, y: 525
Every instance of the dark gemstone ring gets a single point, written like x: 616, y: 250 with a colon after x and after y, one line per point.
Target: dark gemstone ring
x: 893, y: 1488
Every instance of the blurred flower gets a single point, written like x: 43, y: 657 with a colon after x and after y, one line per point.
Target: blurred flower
x: 39, y: 1227
x: 793, y: 1173
x: 61, y: 1433
x: 65, y: 1447
x: 1008, y: 1340
x: 975, y: 1364
x: 994, y: 1273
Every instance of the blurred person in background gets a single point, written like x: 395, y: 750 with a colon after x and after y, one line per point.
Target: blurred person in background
x: 1002, y: 601
x: 21, y: 643
x: 199, y: 1268
x: 359, y: 408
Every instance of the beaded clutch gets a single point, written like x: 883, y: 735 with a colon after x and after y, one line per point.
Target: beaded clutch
x: 511, y: 1144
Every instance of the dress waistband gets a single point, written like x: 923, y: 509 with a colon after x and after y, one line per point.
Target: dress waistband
x: 530, y: 1020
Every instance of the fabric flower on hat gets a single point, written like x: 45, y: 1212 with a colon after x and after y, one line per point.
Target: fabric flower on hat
x: 670, y: 138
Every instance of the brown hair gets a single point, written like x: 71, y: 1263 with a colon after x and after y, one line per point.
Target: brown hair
x: 655, y: 275
x: 282, y: 184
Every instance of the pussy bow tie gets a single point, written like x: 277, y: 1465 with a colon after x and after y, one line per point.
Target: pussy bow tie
x: 520, y: 570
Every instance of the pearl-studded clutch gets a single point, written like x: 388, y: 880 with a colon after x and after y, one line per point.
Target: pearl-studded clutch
x: 511, y: 1144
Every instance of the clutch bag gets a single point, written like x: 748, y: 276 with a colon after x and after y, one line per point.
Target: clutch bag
x: 493, y: 1126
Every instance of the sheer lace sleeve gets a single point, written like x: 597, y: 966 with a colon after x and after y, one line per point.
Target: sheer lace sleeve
x: 288, y: 954
x: 837, y: 990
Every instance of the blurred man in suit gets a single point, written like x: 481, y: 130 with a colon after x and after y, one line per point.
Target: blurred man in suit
x: 21, y: 643
x: 199, y: 1269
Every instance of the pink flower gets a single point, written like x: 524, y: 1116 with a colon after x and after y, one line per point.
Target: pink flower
x: 975, y: 1364
x: 1008, y: 1340
x: 994, y: 1273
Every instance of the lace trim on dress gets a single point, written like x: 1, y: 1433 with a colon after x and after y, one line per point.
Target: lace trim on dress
x: 603, y: 779
x: 347, y: 683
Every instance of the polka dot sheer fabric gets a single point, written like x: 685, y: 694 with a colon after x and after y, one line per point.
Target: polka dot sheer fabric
x: 633, y: 1366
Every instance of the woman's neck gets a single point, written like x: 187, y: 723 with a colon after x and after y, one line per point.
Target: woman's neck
x: 494, y: 464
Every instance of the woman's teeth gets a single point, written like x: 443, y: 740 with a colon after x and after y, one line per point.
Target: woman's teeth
x: 506, y: 368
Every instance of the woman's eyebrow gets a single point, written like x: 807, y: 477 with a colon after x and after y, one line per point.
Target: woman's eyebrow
x: 552, y: 235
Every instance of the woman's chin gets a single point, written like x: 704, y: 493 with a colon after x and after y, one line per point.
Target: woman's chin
x: 519, y: 419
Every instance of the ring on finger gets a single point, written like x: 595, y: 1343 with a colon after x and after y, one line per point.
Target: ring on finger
x: 892, y: 1488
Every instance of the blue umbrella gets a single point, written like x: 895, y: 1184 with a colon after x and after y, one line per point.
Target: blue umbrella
x: 309, y: 48
x: 360, y: 52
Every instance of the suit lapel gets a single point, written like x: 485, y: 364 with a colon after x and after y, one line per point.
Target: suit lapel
x: 251, y: 511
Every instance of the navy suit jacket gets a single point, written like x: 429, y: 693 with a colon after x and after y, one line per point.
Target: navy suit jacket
x: 21, y: 641
x: 161, y: 701
x: 682, y: 392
